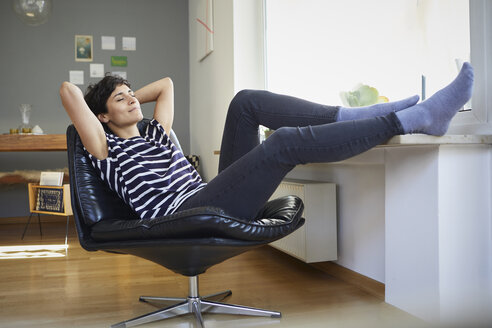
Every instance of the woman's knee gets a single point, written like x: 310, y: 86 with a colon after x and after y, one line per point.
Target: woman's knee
x: 285, y: 131
x: 282, y: 136
x: 246, y: 98
x: 241, y: 99
x: 280, y: 145
x: 243, y: 104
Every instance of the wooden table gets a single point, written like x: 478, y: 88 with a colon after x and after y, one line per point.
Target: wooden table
x: 31, y: 142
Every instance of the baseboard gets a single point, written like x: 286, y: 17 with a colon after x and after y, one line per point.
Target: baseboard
x: 367, y: 284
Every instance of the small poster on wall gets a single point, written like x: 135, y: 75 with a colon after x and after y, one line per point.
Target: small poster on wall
x: 119, y: 61
x: 83, y: 48
x: 129, y: 43
x: 76, y: 77
x: 108, y: 43
x: 97, y: 70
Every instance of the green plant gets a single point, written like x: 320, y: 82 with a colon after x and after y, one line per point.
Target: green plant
x: 362, y: 95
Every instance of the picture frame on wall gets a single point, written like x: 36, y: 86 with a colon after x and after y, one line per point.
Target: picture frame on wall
x: 83, y: 48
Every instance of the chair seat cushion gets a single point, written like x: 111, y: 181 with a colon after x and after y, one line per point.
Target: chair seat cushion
x: 278, y: 218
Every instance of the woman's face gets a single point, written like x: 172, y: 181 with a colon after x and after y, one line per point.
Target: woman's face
x: 123, y: 108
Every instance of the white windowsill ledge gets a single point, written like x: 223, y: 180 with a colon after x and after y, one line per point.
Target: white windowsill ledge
x: 376, y: 156
x: 422, y: 139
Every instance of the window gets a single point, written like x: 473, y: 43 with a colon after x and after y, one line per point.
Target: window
x: 317, y: 49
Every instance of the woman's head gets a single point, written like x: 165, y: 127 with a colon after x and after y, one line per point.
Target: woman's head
x: 98, y: 94
x: 114, y: 103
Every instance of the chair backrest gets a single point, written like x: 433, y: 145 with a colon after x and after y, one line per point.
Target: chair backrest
x: 98, y: 201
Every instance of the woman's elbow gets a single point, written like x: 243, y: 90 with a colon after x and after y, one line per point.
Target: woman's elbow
x: 167, y: 83
x: 65, y: 88
x: 68, y: 89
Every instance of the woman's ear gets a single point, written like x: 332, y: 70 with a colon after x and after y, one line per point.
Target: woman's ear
x: 103, y: 118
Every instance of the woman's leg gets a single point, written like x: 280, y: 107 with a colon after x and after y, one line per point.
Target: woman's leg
x: 250, y: 108
x: 244, y: 186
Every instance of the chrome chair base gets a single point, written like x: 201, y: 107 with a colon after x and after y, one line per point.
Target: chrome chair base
x: 194, y: 304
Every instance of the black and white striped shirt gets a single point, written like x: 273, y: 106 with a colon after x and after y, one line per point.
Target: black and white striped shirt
x: 149, y: 173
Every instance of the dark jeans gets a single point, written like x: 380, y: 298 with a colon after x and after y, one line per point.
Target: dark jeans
x: 306, y: 132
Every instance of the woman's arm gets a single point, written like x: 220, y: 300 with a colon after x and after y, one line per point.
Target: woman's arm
x: 162, y: 92
x: 88, y: 126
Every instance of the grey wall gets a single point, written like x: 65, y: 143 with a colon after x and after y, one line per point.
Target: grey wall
x: 36, y: 60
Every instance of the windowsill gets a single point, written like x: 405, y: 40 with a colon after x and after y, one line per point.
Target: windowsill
x: 426, y: 140
x: 376, y: 156
x: 422, y: 139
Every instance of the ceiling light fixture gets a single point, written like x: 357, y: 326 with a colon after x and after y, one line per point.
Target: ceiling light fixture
x: 33, y: 12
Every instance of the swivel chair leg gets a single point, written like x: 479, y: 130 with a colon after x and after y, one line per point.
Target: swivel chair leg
x: 197, y: 311
x: 155, y: 299
x: 169, y: 312
x: 222, y: 308
x: 212, y: 297
x: 196, y: 305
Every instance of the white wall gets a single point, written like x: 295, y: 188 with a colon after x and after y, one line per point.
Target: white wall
x: 438, y: 240
x: 236, y: 63
x: 211, y: 86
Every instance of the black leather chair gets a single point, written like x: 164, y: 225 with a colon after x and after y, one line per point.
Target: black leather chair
x: 187, y: 242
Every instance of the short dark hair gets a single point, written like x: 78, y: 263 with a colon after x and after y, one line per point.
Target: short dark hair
x: 97, y: 94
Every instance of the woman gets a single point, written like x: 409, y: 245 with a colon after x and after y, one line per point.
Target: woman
x: 153, y: 177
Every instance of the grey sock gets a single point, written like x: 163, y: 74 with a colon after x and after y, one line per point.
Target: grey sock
x: 357, y: 113
x: 433, y: 115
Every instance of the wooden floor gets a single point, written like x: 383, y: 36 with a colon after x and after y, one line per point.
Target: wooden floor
x: 97, y: 289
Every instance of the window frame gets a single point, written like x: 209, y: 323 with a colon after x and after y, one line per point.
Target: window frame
x: 477, y: 121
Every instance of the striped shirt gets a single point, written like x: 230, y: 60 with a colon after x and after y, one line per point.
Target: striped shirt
x: 148, y: 172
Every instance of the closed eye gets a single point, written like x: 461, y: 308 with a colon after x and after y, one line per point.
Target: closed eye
x: 120, y: 94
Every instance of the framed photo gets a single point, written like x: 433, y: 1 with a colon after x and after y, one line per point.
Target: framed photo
x: 83, y: 48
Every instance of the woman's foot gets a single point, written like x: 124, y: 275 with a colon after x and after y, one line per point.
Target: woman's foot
x: 433, y: 115
x: 358, y: 113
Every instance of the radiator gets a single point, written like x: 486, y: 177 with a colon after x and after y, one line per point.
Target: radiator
x: 316, y: 241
